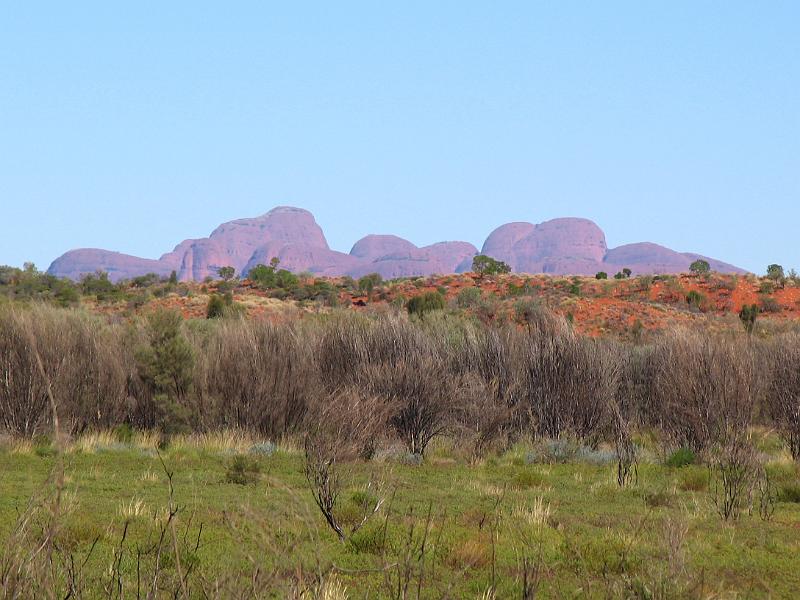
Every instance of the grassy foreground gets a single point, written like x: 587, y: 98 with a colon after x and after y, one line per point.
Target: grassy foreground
x: 448, y: 528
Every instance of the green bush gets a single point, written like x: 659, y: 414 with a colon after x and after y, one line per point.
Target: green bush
x: 242, y: 470
x: 468, y: 297
x: 789, y: 493
x: 215, y: 308
x: 526, y: 478
x: 682, y: 457
x: 427, y: 302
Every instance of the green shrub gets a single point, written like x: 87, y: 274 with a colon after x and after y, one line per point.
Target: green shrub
x: 468, y: 297
x: 789, y: 493
x: 695, y: 298
x: 367, y: 540
x: 427, y: 302
x: 242, y: 470
x: 770, y: 305
x: 123, y: 433
x: 215, y: 308
x: 526, y: 478
x: 682, y: 457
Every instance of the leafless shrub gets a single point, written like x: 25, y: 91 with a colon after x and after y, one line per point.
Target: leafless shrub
x: 783, y: 391
x: 84, y: 363
x: 256, y: 376
x: 767, y: 496
x: 703, y: 387
x: 484, y: 380
x: 339, y: 430
x: 733, y: 471
x: 566, y: 381
x: 395, y: 361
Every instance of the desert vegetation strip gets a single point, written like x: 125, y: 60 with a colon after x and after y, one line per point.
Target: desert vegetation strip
x: 391, y: 454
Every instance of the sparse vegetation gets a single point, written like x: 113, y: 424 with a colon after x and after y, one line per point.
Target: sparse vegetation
x: 486, y: 265
x: 466, y: 436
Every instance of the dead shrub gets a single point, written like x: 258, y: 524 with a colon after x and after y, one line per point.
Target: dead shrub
x: 783, y: 390
x: 703, y: 387
x: 256, y: 376
x: 84, y: 360
x: 566, y: 381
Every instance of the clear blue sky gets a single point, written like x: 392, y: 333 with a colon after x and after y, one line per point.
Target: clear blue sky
x: 133, y: 128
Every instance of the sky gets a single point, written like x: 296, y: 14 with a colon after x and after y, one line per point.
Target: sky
x: 132, y: 126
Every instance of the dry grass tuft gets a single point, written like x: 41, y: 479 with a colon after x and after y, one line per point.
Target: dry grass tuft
x: 536, y: 514
x: 133, y: 509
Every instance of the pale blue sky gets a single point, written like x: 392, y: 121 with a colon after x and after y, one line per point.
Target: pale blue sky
x: 134, y: 128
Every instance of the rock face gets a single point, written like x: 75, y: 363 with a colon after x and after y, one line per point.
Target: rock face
x: 561, y: 246
x: 578, y: 247
x: 574, y: 246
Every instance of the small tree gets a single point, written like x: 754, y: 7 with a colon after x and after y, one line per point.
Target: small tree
x: 486, y: 265
x: 173, y: 278
x: 165, y: 364
x: 775, y: 273
x: 226, y: 273
x: 748, y: 316
x: 601, y: 275
x: 700, y: 267
x: 627, y: 272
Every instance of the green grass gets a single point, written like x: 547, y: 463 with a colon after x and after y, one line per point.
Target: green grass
x: 659, y: 538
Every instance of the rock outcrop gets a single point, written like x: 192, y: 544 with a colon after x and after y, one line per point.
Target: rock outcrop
x: 560, y: 246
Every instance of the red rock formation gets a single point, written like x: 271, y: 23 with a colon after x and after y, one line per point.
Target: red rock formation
x: 560, y: 246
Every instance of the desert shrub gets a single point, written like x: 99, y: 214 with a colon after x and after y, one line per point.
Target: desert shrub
x: 215, y: 307
x: 526, y: 478
x: 165, y: 362
x: 703, y: 386
x: 486, y: 265
x: 700, y: 267
x: 101, y: 287
x: 424, y: 303
x: 733, y: 473
x: 566, y: 382
x: 242, y: 470
x: 368, y: 282
x: 696, y: 299
x: 657, y: 498
x: 468, y: 297
x: 682, y: 457
x: 783, y: 389
x: 263, y: 449
x: 85, y: 363
x: 789, y: 493
x: 770, y: 305
x: 396, y: 362
x: 484, y: 375
x: 748, y: 315
x: 257, y: 376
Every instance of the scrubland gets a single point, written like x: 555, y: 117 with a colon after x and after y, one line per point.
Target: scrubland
x: 381, y: 454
